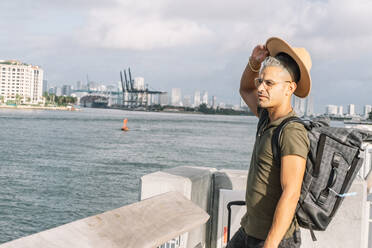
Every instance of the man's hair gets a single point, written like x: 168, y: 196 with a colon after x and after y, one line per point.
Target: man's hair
x: 284, y: 61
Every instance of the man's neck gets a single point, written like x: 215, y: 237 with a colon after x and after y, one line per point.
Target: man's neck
x: 279, y: 112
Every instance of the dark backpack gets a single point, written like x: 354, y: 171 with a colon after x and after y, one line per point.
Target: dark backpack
x: 333, y: 162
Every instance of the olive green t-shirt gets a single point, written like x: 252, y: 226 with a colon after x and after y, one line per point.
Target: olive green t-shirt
x: 263, y: 183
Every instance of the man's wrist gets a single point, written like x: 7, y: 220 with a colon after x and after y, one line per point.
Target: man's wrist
x: 254, y: 64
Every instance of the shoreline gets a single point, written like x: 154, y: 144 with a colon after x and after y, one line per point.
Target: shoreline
x: 38, y: 108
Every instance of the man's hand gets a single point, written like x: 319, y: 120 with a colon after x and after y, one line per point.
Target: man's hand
x: 259, y: 54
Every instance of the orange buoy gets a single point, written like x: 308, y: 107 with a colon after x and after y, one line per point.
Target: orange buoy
x: 124, y: 127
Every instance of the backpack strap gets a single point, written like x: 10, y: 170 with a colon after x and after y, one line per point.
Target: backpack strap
x: 275, y: 146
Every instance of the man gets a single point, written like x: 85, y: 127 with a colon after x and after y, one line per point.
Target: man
x: 274, y: 72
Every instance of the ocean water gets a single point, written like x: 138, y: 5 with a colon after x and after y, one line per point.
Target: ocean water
x: 59, y: 166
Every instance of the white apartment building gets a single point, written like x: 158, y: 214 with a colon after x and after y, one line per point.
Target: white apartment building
x: 351, y: 109
x: 205, y: 98
x: 20, y: 81
x: 367, y: 109
x: 331, y: 110
x: 214, y: 102
x: 197, y: 99
x: 176, y: 97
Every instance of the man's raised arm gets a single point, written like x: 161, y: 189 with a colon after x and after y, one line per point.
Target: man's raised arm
x: 248, y: 90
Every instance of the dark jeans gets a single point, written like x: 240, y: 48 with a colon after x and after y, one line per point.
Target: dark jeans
x: 242, y: 240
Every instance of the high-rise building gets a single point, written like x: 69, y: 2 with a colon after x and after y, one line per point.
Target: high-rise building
x: 205, y: 98
x: 367, y: 110
x: 197, y: 99
x: 351, y: 109
x: 45, y: 86
x: 154, y: 99
x: 309, y: 107
x: 20, y: 81
x: 331, y: 110
x: 298, y: 105
x: 66, y: 90
x: 52, y: 90
x: 58, y: 91
x: 340, y: 110
x: 214, y: 102
x: 164, y: 99
x: 176, y: 97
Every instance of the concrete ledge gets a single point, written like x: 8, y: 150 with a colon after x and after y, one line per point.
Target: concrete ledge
x: 148, y: 223
x: 193, y: 182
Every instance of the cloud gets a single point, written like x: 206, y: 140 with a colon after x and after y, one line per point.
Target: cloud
x: 141, y: 26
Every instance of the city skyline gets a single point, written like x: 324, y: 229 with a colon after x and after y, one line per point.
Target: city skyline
x: 195, y: 98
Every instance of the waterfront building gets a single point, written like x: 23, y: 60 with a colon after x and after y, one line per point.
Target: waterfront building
x: 21, y: 82
x: 155, y: 99
x: 176, y: 97
x: 214, y: 102
x: 303, y: 106
x: 298, y: 105
x: 58, y: 91
x: 331, y: 110
x: 309, y: 106
x: 205, y: 98
x: 92, y: 86
x: 340, y: 111
x: 367, y: 109
x: 45, y: 86
x: 66, y: 90
x: 351, y: 109
x: 139, y: 83
x: 196, y: 98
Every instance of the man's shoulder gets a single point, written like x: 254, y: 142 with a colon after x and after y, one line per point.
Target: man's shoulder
x: 293, y: 125
x: 295, y: 130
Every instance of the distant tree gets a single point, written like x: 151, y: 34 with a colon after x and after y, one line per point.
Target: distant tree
x: 1, y: 99
x: 370, y: 115
x: 18, y: 99
x: 204, y: 109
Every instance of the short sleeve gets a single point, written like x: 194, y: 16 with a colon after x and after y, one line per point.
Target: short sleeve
x: 294, y: 140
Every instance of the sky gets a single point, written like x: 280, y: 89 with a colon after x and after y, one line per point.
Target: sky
x: 190, y: 44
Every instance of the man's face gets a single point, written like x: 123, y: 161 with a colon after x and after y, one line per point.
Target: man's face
x: 275, y: 88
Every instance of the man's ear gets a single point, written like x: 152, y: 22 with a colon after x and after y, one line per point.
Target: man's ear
x: 292, y: 87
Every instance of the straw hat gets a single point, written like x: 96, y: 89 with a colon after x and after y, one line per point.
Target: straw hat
x: 276, y: 45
